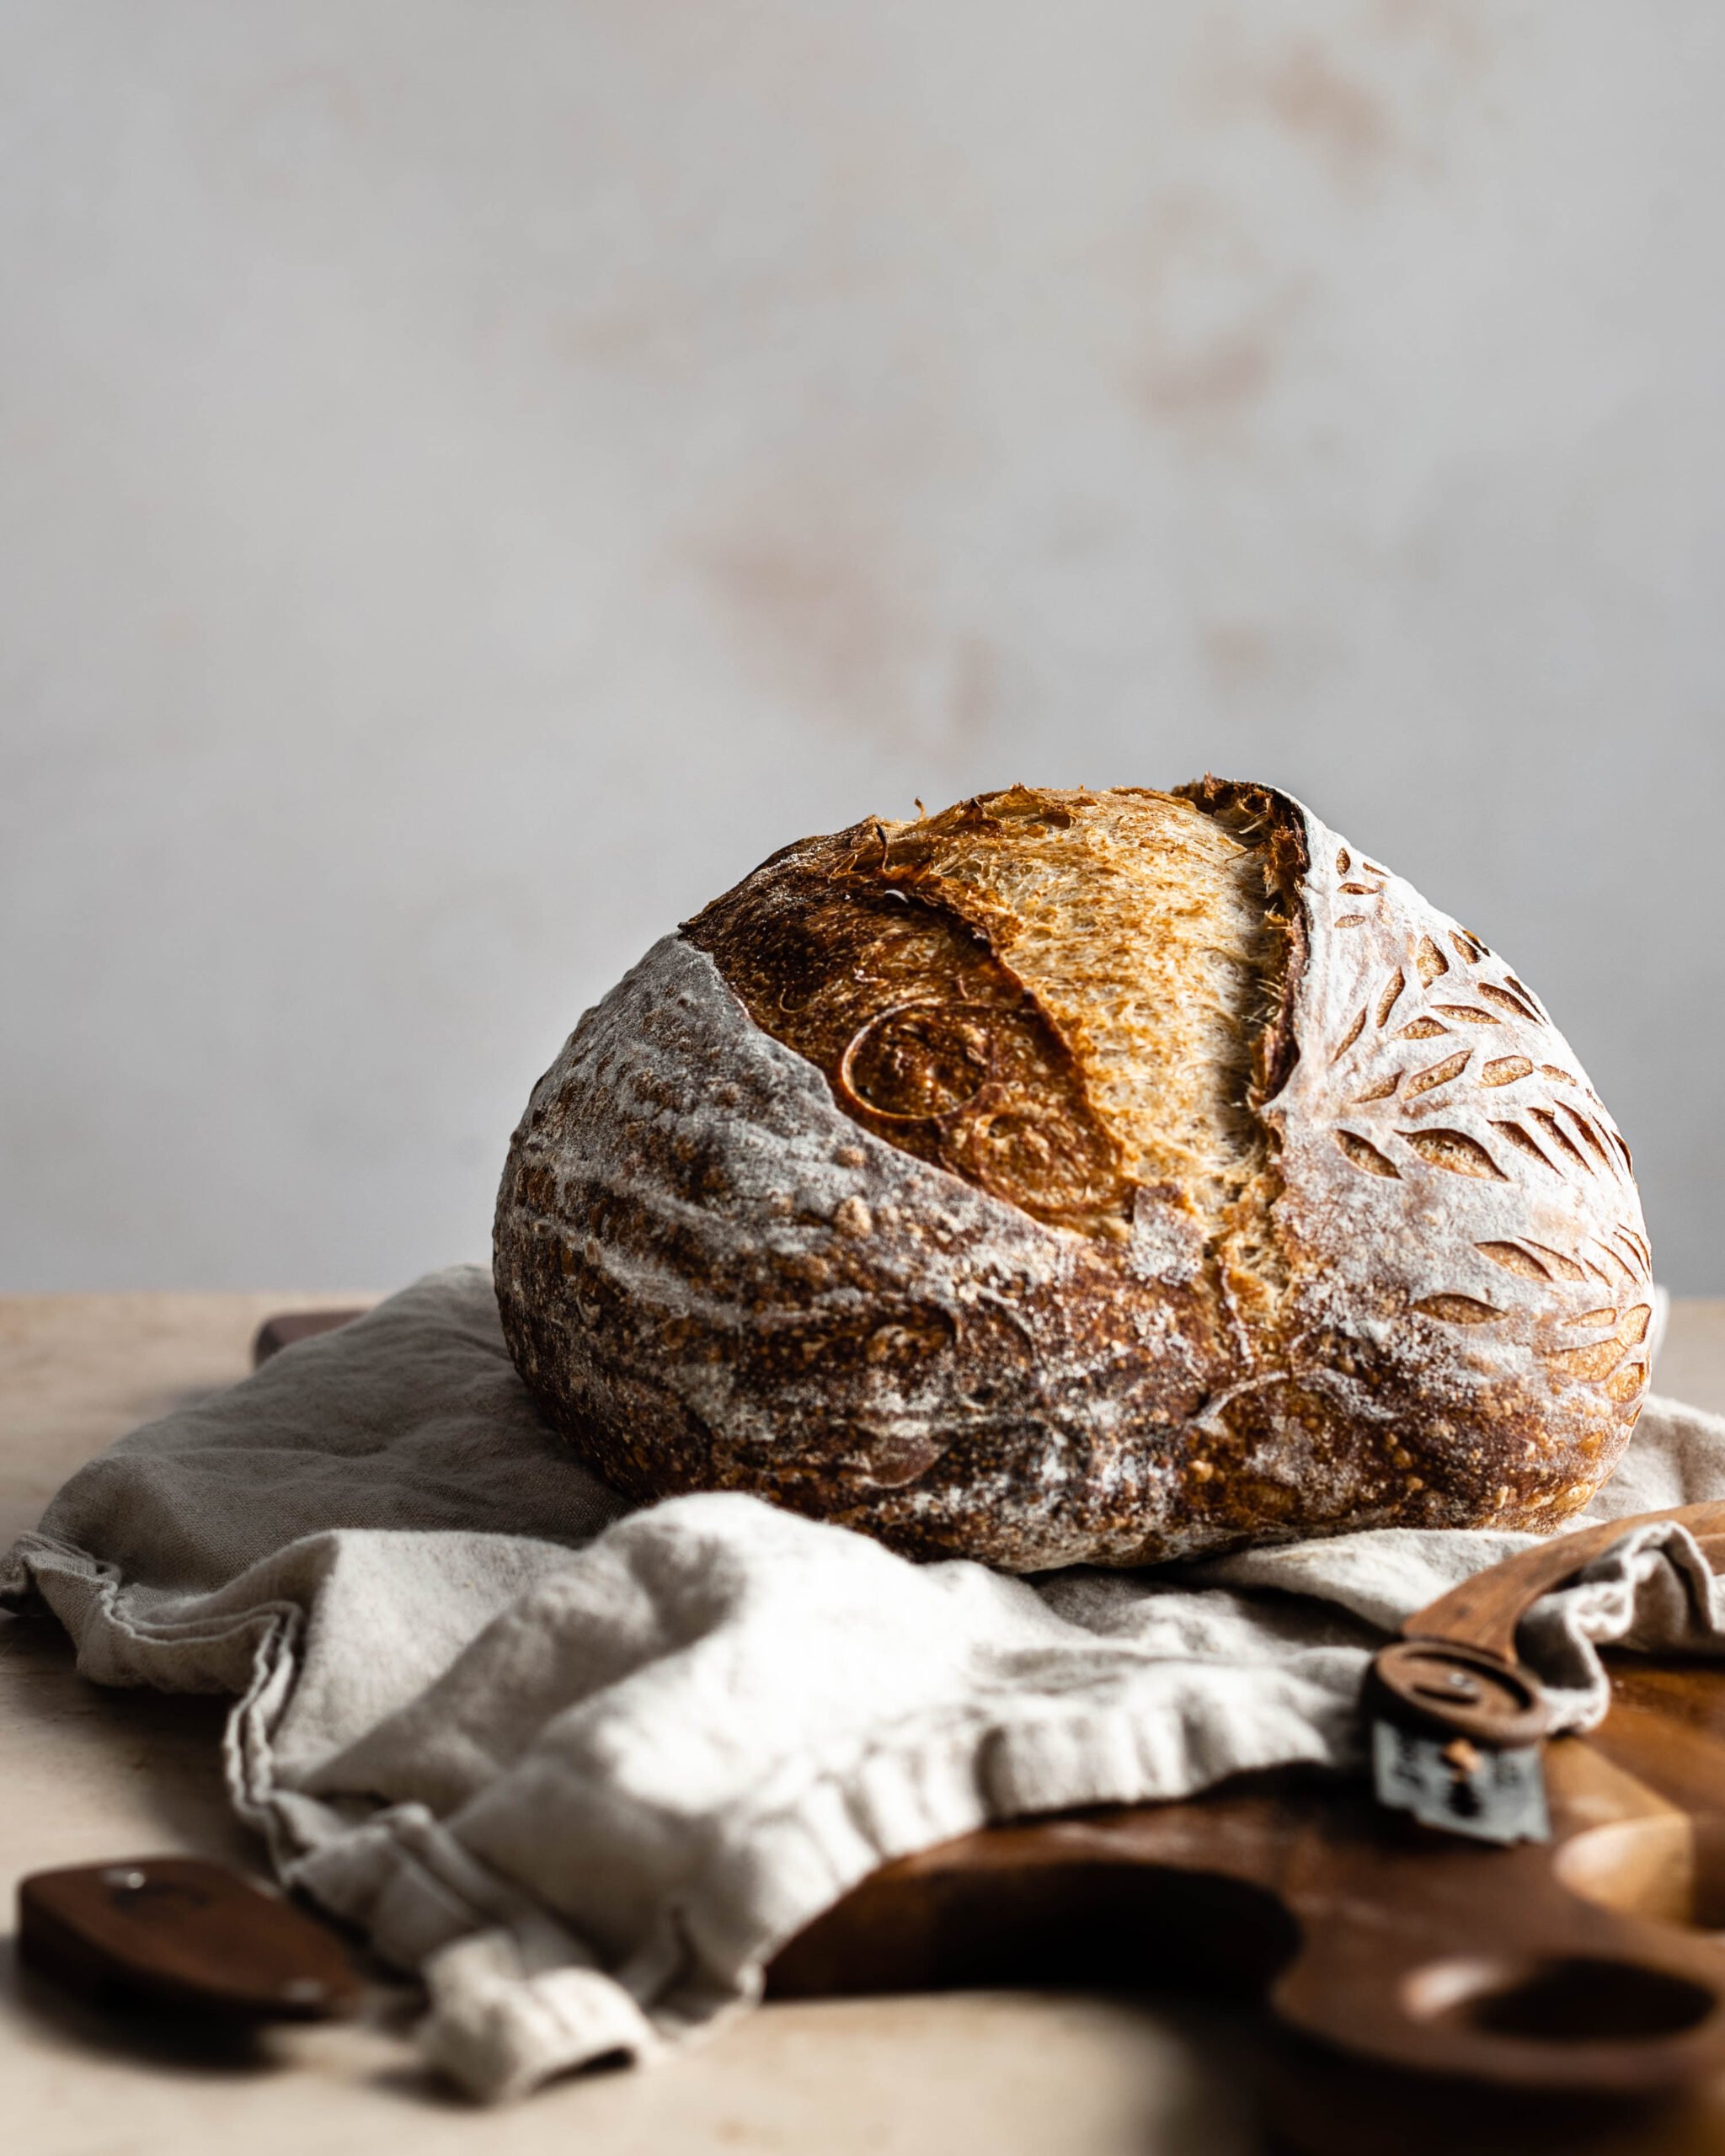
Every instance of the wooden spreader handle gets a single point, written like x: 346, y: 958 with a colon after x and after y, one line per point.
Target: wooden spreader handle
x: 1455, y: 1671
x: 1484, y: 1611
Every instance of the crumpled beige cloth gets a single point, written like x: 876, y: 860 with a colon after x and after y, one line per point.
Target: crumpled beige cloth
x: 585, y: 1770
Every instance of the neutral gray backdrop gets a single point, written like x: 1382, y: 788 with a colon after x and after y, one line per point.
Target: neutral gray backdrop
x: 475, y: 477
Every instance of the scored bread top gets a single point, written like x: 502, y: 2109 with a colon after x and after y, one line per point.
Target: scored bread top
x: 1054, y: 994
x: 1138, y: 924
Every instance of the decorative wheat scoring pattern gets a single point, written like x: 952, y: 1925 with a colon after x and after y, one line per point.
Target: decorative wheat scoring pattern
x: 1448, y: 1037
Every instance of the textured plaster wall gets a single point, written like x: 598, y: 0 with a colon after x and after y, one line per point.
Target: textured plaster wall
x: 474, y: 479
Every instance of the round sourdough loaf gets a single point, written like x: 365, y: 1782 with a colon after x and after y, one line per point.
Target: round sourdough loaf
x: 1081, y: 1178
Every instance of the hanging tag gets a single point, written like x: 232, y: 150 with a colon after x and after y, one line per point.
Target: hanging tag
x: 1492, y: 1795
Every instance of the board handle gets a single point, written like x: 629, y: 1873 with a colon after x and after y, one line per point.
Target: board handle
x: 287, y: 1328
x: 1480, y: 1962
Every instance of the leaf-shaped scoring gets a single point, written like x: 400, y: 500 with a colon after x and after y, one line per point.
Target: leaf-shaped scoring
x: 1454, y: 1151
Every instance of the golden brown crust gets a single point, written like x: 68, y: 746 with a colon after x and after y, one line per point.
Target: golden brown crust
x: 841, y: 1198
x: 848, y: 954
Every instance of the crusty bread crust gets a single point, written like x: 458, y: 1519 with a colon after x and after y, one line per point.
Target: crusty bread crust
x: 1079, y: 1177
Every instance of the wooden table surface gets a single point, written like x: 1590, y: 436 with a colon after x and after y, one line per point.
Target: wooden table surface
x: 91, y: 1774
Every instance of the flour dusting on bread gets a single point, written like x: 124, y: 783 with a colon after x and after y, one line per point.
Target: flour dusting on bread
x: 1081, y: 1176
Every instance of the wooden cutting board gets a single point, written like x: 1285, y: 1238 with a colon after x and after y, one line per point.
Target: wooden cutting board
x: 1424, y: 1986
x: 1423, y: 1991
